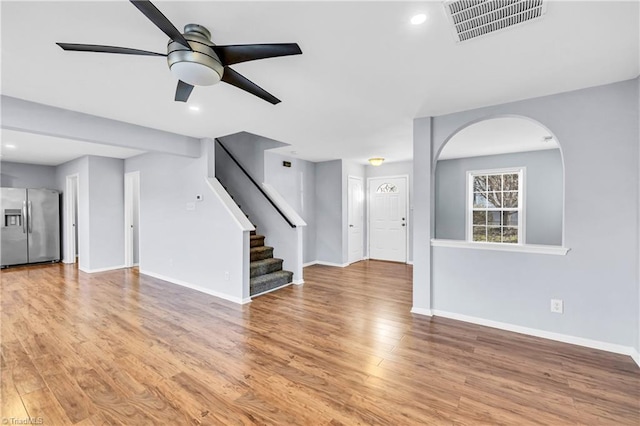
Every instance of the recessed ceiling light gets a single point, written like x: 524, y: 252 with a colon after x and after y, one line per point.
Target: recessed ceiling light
x: 418, y: 19
x: 194, y: 108
x: 9, y: 146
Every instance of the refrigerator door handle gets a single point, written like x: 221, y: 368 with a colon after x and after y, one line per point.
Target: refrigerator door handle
x: 24, y: 217
x: 30, y: 223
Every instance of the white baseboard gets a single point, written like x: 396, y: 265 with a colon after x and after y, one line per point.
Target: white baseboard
x: 93, y: 271
x: 298, y: 282
x: 273, y: 289
x: 421, y: 311
x: 304, y: 265
x: 565, y: 338
x: 636, y: 356
x: 197, y: 288
x: 409, y: 262
x: 337, y: 265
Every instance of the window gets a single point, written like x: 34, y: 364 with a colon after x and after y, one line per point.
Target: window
x: 387, y: 187
x: 495, y: 211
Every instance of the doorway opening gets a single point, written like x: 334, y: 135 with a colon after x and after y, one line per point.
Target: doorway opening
x: 71, y: 200
x: 131, y: 219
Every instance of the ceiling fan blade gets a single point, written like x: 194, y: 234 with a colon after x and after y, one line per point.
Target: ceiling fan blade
x: 183, y: 91
x: 161, y: 21
x: 236, y: 79
x: 106, y: 49
x: 234, y: 54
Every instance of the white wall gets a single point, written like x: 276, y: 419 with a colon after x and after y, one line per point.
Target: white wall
x: 18, y: 175
x: 195, y: 248
x: 598, y: 132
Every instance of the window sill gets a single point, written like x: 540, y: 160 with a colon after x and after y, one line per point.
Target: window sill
x: 522, y: 248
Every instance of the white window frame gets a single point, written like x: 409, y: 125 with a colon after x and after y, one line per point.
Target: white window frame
x: 521, y: 171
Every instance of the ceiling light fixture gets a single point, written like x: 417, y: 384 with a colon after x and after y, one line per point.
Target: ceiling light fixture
x: 376, y: 161
x: 10, y: 146
x: 194, y: 108
x: 418, y: 19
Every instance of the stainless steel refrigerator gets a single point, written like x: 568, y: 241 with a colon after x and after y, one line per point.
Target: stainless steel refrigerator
x: 30, y: 226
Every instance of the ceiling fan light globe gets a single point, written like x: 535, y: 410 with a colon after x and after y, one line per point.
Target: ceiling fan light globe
x: 195, y: 74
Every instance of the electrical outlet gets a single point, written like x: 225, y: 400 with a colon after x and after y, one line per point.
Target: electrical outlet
x: 557, y: 306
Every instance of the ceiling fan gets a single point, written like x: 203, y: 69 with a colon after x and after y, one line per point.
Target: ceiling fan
x: 194, y: 59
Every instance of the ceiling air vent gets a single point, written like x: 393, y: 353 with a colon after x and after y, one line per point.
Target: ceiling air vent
x: 474, y: 18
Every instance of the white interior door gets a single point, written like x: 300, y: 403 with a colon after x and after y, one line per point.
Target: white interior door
x: 131, y: 218
x: 388, y: 218
x: 356, y: 219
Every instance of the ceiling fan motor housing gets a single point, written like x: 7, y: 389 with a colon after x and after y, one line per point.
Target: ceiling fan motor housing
x: 199, y: 66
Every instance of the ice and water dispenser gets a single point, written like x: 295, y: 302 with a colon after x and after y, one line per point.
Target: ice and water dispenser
x: 12, y: 218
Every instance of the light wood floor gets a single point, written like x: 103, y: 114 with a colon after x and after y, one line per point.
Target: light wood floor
x: 123, y: 348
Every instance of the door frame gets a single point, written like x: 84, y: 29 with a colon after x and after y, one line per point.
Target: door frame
x: 72, y: 205
x: 131, y: 189
x: 362, y: 224
x: 407, y: 204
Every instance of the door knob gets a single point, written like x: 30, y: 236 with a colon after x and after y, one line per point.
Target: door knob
x: 350, y: 226
x: 403, y: 224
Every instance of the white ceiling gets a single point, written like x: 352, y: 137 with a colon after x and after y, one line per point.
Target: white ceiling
x: 498, y: 136
x: 21, y: 147
x: 365, y: 72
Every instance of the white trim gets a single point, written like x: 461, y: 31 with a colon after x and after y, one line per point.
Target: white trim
x: 635, y: 355
x: 314, y: 262
x: 522, y: 248
x: 407, y: 211
x: 109, y: 268
x: 421, y: 311
x: 283, y: 205
x: 272, y: 289
x: 298, y: 282
x: 565, y: 338
x: 229, y: 204
x: 338, y: 265
x: 409, y: 262
x: 197, y: 288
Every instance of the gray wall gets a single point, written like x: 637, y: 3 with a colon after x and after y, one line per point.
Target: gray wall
x: 249, y: 150
x: 598, y: 131
x: 106, y: 212
x: 543, y: 193
x: 398, y: 168
x: 80, y: 167
x: 18, y: 175
x: 100, y: 210
x: 329, y: 196
x: 297, y: 185
x: 192, y: 247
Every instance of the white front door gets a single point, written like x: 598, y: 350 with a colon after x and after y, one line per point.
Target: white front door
x: 388, y: 218
x: 356, y: 219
